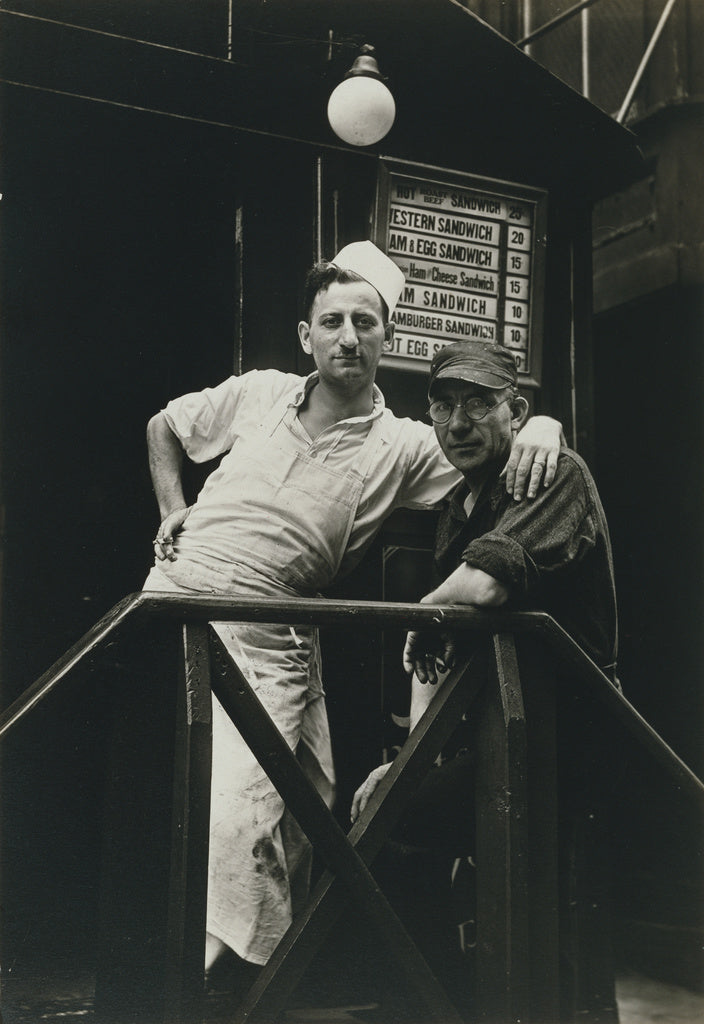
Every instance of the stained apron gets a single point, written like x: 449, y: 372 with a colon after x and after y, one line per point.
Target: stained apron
x: 259, y: 861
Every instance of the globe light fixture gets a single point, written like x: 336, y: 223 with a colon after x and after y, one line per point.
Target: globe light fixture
x: 361, y: 109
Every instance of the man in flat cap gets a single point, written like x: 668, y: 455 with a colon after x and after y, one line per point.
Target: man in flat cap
x: 552, y: 554
x: 312, y: 467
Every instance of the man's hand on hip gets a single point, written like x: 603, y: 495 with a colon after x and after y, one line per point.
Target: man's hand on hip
x: 164, y: 540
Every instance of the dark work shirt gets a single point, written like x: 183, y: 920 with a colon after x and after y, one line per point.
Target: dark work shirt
x: 552, y: 552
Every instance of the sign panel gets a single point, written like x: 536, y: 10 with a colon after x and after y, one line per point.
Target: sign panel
x: 472, y: 253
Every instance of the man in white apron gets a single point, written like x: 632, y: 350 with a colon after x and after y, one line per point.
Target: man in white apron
x: 313, y: 466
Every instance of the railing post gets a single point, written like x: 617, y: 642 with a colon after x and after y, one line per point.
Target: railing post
x: 543, y: 952
x: 132, y: 944
x: 502, y: 970
x: 189, y: 838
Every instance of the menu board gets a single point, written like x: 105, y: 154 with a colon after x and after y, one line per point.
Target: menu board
x: 472, y: 259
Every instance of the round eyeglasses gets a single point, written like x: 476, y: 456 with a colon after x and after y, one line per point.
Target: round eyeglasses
x: 474, y: 409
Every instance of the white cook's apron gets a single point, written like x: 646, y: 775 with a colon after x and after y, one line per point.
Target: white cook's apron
x: 259, y: 860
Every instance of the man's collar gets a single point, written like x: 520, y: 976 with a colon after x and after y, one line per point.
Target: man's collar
x: 457, y: 500
x: 492, y: 492
x: 303, y: 390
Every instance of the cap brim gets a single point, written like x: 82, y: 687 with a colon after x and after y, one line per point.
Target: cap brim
x: 482, y: 377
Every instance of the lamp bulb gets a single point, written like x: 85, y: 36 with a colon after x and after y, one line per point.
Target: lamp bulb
x: 361, y: 110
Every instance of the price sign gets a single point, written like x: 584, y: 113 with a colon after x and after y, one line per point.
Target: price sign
x: 472, y: 254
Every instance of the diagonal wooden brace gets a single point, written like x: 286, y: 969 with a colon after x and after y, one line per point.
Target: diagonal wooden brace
x: 346, y: 858
x: 329, y: 897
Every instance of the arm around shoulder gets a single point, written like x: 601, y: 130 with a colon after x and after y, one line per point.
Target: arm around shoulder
x: 534, y: 456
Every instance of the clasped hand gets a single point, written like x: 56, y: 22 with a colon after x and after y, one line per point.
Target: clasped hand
x: 428, y: 651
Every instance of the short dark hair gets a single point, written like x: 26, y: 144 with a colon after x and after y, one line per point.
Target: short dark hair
x: 321, y: 276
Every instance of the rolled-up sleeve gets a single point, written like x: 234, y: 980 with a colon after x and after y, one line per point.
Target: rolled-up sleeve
x: 203, y: 420
x: 541, y: 536
x: 208, y: 422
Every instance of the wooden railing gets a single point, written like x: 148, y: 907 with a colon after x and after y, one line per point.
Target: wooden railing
x: 518, y: 887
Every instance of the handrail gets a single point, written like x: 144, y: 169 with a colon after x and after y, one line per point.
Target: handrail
x: 352, y: 614
x: 205, y: 608
x: 49, y: 680
x: 640, y: 70
x: 572, y: 654
x: 554, y: 23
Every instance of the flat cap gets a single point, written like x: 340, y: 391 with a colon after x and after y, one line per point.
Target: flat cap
x: 478, y: 362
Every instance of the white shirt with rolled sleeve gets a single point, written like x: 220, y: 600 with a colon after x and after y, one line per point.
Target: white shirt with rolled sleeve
x: 408, y: 469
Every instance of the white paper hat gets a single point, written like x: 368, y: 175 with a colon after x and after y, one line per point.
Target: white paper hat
x: 365, y: 259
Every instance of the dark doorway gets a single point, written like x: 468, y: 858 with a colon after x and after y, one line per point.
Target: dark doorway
x: 118, y: 293
x: 649, y: 376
